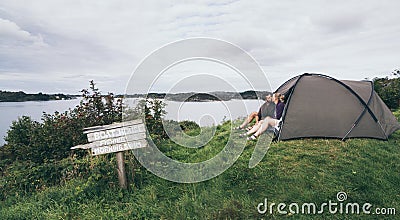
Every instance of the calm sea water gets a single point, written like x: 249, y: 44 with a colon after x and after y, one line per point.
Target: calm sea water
x: 10, y: 111
x: 204, y: 113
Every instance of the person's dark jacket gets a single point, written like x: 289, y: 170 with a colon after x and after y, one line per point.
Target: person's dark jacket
x: 267, y: 109
x: 279, y: 109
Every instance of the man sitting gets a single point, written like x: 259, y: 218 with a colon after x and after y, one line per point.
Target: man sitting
x: 266, y: 110
x: 264, y: 124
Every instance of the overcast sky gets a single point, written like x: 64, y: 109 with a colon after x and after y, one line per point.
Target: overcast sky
x: 58, y: 46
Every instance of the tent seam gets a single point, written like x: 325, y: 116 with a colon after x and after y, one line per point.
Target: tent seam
x: 288, y: 102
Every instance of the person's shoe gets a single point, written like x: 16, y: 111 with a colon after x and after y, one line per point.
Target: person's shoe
x: 243, y: 135
x: 252, y: 137
x: 238, y: 128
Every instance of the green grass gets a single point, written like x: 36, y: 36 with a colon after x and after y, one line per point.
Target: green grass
x: 308, y: 170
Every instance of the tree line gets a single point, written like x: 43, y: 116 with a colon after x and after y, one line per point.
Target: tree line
x: 6, y: 96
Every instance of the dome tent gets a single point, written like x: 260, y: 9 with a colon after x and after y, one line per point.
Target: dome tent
x: 321, y: 106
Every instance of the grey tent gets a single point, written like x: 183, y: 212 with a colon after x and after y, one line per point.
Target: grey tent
x: 321, y: 106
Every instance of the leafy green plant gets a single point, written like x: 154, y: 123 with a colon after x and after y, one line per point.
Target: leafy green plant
x: 154, y: 111
x: 389, y: 89
x: 35, y: 154
x: 191, y: 126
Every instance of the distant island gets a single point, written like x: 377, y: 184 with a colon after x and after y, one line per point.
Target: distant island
x: 204, y: 97
x: 6, y: 96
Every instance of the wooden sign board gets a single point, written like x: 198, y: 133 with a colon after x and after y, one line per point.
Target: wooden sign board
x: 115, y: 137
x: 129, y: 145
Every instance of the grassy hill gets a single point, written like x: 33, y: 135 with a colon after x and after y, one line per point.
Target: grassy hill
x: 301, y: 171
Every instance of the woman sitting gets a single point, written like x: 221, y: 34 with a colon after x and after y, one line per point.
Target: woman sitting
x: 269, y: 121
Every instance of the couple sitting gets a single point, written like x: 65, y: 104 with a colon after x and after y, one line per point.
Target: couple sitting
x: 269, y: 115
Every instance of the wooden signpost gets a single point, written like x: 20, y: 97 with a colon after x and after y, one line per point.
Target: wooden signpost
x: 117, y: 137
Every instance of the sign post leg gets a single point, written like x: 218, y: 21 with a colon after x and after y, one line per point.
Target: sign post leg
x: 121, y: 170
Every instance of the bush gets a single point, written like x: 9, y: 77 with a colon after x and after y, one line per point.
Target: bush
x: 188, y: 125
x: 389, y: 89
x: 36, y: 152
x: 153, y: 114
x: 192, y: 126
x: 52, y: 138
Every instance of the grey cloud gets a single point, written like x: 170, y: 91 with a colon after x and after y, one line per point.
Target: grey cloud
x: 72, y: 42
x: 12, y: 34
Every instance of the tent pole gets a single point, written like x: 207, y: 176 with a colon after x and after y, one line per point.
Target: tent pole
x: 362, y: 113
x: 288, y: 102
x: 383, y: 131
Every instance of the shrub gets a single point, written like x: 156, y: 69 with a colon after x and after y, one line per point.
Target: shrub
x: 192, y: 126
x: 35, y: 154
x: 154, y: 113
x: 389, y: 89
